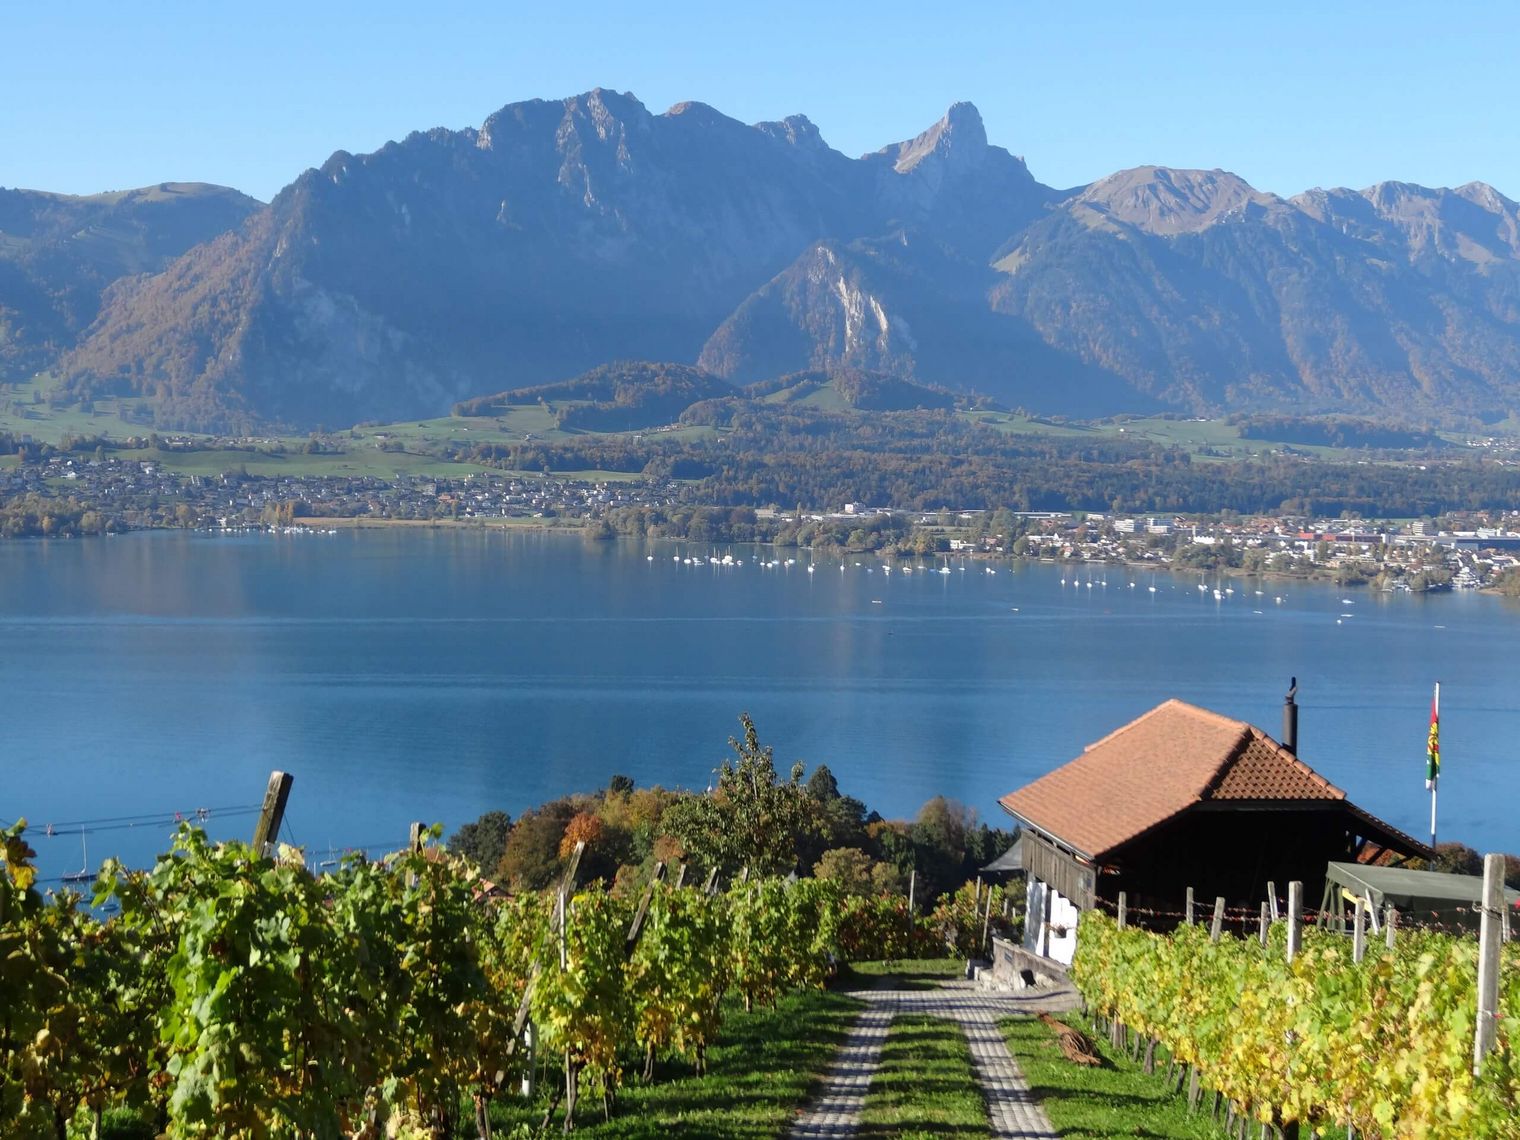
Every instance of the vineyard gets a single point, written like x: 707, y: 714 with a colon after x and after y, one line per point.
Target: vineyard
x: 1382, y: 1046
x: 233, y: 995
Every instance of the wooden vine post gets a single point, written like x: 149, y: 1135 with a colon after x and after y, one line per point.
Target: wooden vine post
x: 1216, y: 928
x: 1490, y: 935
x: 1123, y: 909
x: 414, y: 845
x: 987, y: 922
x: 1188, y: 914
x: 521, y: 1024
x: 1295, y: 918
x: 267, y: 830
x: 636, y: 930
x: 566, y: 887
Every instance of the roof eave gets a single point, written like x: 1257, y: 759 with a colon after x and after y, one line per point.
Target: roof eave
x: 1045, y: 834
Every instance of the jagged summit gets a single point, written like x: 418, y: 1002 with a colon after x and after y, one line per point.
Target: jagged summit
x: 958, y: 137
x: 798, y: 130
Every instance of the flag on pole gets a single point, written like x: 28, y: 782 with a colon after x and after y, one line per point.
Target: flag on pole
x: 1433, y: 741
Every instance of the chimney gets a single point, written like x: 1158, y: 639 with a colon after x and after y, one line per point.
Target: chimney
x: 1290, y: 718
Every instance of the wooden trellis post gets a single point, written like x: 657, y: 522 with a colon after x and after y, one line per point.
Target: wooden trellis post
x: 267, y: 830
x: 1490, y: 935
x: 1295, y: 918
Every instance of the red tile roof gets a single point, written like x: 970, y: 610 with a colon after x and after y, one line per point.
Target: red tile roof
x: 1175, y: 756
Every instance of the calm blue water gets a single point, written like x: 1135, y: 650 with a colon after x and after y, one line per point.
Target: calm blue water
x: 433, y: 676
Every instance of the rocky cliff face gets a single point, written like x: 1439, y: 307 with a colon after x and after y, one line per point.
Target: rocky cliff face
x: 562, y: 235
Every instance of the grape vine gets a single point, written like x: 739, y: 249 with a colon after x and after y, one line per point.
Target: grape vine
x: 233, y: 994
x: 1384, y: 1045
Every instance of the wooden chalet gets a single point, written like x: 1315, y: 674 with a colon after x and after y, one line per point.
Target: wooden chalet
x: 1184, y: 797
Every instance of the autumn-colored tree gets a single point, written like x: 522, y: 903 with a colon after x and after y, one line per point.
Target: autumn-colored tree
x: 849, y: 868
x: 584, y: 827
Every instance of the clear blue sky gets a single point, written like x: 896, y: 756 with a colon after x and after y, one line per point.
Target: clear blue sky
x: 97, y: 96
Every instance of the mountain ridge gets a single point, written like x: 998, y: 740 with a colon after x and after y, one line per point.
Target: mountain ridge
x: 562, y: 235
x: 59, y: 253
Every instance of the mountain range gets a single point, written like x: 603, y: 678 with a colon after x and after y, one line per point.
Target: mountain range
x: 563, y: 235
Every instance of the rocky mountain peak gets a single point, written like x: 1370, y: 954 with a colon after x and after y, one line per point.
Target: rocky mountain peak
x: 1162, y: 200
x: 700, y: 114
x: 958, y: 139
x: 797, y: 130
x: 1484, y: 195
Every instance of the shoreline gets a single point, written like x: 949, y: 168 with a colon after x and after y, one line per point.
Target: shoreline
x: 371, y: 522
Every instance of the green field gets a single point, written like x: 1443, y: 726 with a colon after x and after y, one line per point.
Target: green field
x: 49, y: 425
x: 1204, y: 439
x: 514, y: 425
x: 353, y: 464
x: 823, y: 397
x: 925, y: 1086
x: 1114, y: 1101
x: 759, y: 1075
x: 1011, y: 423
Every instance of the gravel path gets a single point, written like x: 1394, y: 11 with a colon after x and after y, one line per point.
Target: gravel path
x: 1013, y: 1112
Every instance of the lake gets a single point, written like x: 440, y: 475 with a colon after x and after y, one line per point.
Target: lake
x: 435, y: 675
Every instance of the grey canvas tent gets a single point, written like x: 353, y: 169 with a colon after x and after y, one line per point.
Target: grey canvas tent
x: 1010, y: 862
x: 1420, y: 897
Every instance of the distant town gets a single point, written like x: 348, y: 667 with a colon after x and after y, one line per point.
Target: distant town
x: 1460, y: 550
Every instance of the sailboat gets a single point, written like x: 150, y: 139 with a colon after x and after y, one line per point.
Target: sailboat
x: 83, y: 874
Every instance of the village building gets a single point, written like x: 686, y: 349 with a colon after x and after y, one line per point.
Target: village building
x: 1183, y: 797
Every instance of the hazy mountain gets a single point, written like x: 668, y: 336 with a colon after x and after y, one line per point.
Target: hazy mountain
x: 565, y: 235
x: 1209, y: 295
x: 58, y: 253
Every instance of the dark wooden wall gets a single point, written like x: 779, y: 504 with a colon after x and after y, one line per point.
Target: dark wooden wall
x: 1233, y: 853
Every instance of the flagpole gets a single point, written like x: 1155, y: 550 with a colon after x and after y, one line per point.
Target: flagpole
x: 1435, y: 718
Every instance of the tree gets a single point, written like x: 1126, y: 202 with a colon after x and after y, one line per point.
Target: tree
x: 849, y: 867
x: 484, y: 840
x: 1457, y: 859
x: 822, y: 785
x: 835, y: 820
x: 752, y: 818
x: 530, y: 860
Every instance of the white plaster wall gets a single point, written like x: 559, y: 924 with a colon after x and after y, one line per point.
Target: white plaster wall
x: 1059, y: 939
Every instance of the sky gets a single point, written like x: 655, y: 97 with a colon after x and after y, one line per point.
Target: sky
x: 98, y: 96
